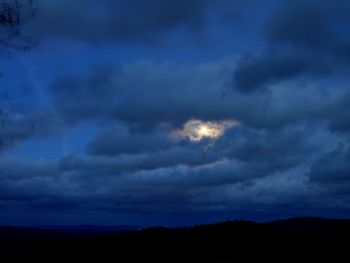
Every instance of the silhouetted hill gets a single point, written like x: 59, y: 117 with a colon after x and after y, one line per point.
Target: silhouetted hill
x: 88, y: 230
x: 311, y: 223
x: 15, y: 236
x: 292, y: 240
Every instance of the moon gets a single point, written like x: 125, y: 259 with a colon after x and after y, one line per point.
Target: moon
x: 203, y: 130
x: 197, y: 130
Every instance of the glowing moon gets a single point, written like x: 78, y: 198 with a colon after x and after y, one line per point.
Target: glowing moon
x: 204, y: 131
x: 197, y: 130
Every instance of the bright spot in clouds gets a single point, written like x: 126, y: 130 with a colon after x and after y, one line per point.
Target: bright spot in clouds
x: 196, y: 130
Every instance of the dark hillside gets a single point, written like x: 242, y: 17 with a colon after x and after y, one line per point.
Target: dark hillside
x: 292, y: 240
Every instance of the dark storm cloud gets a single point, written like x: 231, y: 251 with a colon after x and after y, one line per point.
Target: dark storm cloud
x: 339, y: 115
x: 219, y: 186
x: 159, y: 182
x: 333, y: 168
x: 144, y: 92
x: 191, y: 178
x: 254, y: 72
x: 24, y: 180
x: 264, y: 145
x: 15, y: 168
x: 303, y: 37
x: 131, y: 21
x: 262, y: 162
x: 119, y: 164
x: 249, y: 154
x: 13, y: 129
x: 145, y: 95
x: 86, y: 98
x: 117, y: 139
x: 17, y: 128
x: 317, y: 26
x: 283, y: 154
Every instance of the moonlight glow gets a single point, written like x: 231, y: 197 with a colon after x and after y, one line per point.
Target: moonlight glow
x: 197, y: 130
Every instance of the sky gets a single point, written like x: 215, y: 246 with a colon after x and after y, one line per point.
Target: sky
x: 164, y: 112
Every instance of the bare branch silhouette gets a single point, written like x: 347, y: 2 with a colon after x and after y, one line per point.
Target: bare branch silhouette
x: 13, y: 15
x: 11, y: 23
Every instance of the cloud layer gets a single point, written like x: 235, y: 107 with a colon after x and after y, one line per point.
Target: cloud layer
x: 284, y: 151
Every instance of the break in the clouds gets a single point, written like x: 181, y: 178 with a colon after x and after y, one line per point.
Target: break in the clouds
x: 244, y: 113
x: 196, y: 130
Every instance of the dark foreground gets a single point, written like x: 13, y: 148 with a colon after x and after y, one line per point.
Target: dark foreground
x: 294, y: 240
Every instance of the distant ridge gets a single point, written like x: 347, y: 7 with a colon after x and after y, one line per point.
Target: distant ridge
x: 310, y: 223
x: 18, y: 235
x: 102, y: 228
x: 294, y: 222
x: 291, y: 240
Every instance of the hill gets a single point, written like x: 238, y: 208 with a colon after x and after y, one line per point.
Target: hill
x: 292, y: 240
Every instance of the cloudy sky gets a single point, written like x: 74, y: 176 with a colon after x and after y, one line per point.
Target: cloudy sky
x: 164, y: 112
